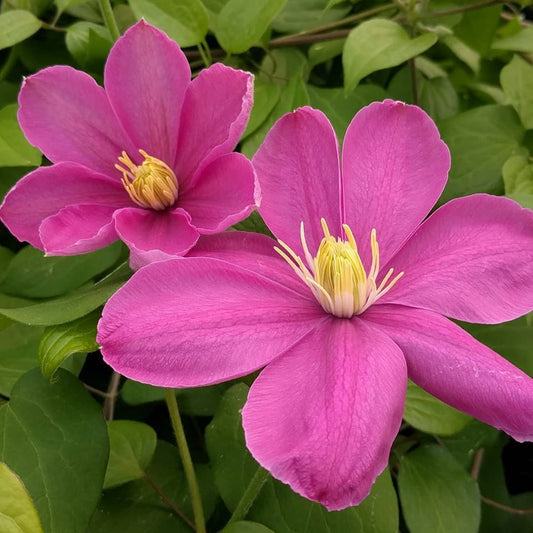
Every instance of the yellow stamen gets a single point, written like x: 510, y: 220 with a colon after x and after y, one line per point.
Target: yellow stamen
x: 152, y: 184
x: 336, y: 275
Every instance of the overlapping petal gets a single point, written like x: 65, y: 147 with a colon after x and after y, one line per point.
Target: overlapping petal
x: 297, y: 168
x: 322, y: 417
x: 155, y: 235
x: 215, y: 112
x: 146, y: 76
x: 67, y: 115
x: 223, y: 194
x: 198, y: 321
x: 394, y: 167
x: 450, y: 364
x: 470, y: 260
x: 45, y: 191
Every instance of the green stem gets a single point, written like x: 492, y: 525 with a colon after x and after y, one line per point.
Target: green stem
x: 249, y: 496
x: 188, y: 467
x: 203, y: 55
x: 109, y: 18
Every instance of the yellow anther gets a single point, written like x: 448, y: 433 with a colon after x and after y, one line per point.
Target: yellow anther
x: 336, y: 275
x: 152, y: 184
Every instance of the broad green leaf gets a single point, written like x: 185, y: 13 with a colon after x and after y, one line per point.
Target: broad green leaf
x: 31, y: 274
x: 15, y: 150
x: 480, y: 141
x: 517, y: 83
x: 519, y: 42
x: 466, y: 54
x: 65, y: 308
x: 233, y: 467
x: 428, y: 414
x: 131, y: 448
x: 437, y: 494
x: 137, y: 508
x: 266, y: 96
x: 17, y: 512
x: 300, y: 15
x: 17, y: 25
x: 54, y: 437
x: 377, y: 44
x: 253, y: 223
x: 518, y: 179
x: 246, y: 527
x: 88, y: 43
x: 5, y: 257
x: 185, y: 21
x: 477, y: 28
x: 283, y: 65
x: 199, y: 401
x: 340, y: 108
x: 61, y: 341
x: 18, y: 353
x: 324, y: 51
x: 37, y: 7
x: 241, y: 23
x: 63, y: 5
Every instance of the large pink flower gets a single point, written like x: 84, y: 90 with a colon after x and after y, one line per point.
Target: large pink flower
x: 171, y: 137
x: 340, y: 334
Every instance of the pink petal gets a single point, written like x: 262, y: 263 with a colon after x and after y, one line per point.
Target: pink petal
x: 146, y: 76
x: 68, y: 117
x: 215, y: 112
x: 45, y: 191
x: 195, y: 321
x: 471, y: 260
x: 323, y: 416
x: 222, y: 195
x: 155, y: 235
x: 78, y: 229
x: 297, y: 168
x: 251, y: 251
x: 394, y: 169
x: 450, y: 364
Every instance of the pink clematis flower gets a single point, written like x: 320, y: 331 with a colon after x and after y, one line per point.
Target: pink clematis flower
x: 148, y: 160
x: 340, y: 321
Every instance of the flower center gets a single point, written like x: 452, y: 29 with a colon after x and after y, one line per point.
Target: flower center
x: 336, y: 276
x: 152, y: 184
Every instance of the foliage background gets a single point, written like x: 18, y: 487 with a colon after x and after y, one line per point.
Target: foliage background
x: 469, y: 64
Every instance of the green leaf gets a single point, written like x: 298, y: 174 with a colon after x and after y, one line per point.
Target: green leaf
x: 131, y: 448
x: 15, y: 150
x: 31, y: 274
x: 324, y: 51
x: 519, y: 42
x: 137, y: 508
x: 466, y: 54
x: 61, y: 341
x: 18, y: 353
x: 517, y: 83
x: 428, y: 414
x: 246, y: 527
x: 6, y: 255
x: 17, y: 512
x: 437, y: 494
x: 300, y: 15
x: 480, y: 141
x: 54, y: 437
x: 233, y: 467
x: 64, y: 309
x: 241, y: 23
x: 185, y: 21
x: 266, y: 96
x: 518, y: 180
x: 63, y: 5
x: 477, y: 27
x: 17, y: 25
x: 253, y: 223
x: 88, y: 43
x: 377, y: 44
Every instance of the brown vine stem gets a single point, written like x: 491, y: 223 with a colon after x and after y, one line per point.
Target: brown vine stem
x: 111, y: 396
x: 167, y: 501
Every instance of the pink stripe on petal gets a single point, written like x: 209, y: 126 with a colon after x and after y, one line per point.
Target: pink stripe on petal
x: 155, y: 235
x: 323, y: 416
x: 45, y: 191
x: 78, y: 229
x: 223, y: 194
x: 450, y: 364
x: 394, y: 169
x: 297, y: 168
x: 68, y: 117
x: 251, y: 251
x: 193, y: 321
x: 471, y: 260
x: 146, y: 76
x: 215, y: 112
